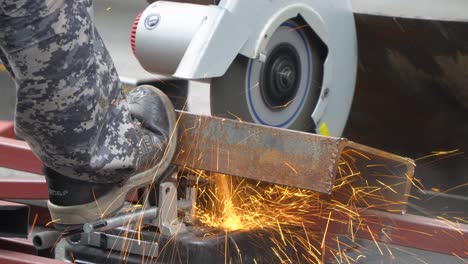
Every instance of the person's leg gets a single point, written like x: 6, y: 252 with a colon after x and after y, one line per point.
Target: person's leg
x: 70, y: 108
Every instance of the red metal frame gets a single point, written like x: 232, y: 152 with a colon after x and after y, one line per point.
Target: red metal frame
x: 12, y: 257
x: 16, y: 154
x: 26, y: 188
x: 7, y: 129
x: 436, y: 235
x: 22, y: 245
x: 18, y: 244
x: 39, y: 216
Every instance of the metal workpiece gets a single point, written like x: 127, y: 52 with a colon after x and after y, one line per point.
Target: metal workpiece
x: 258, y: 152
x: 291, y: 158
x: 372, y: 178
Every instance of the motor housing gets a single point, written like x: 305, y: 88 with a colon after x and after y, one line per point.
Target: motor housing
x: 162, y: 33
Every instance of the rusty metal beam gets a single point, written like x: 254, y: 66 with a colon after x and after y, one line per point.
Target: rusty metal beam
x: 258, y: 152
x: 292, y: 158
x: 372, y: 178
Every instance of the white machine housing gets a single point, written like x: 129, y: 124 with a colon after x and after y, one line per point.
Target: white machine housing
x: 192, y: 41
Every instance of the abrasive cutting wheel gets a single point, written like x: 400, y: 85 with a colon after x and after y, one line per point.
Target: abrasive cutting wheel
x: 282, y: 90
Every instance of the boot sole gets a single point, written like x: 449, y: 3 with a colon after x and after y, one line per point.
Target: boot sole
x: 110, y: 203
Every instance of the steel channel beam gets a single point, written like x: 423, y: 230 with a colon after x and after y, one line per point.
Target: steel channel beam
x: 258, y: 152
x: 373, y: 178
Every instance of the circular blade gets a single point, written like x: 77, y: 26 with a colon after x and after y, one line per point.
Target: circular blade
x: 282, y: 91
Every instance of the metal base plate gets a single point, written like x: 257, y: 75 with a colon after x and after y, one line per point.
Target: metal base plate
x: 191, y: 247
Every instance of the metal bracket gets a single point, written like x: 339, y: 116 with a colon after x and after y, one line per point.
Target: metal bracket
x: 167, y: 219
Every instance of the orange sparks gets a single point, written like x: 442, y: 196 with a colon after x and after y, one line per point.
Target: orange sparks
x: 375, y: 241
x: 53, y: 221
x: 291, y: 167
x: 33, y: 225
x: 290, y: 214
x: 298, y: 27
x: 326, y: 230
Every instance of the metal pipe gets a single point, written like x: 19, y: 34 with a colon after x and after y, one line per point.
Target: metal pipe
x: 46, y: 239
x: 122, y: 220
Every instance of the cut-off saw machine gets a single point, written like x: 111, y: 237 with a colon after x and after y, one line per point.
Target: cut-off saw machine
x: 282, y: 67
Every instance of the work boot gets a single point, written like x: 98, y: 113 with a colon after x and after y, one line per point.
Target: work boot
x: 74, y: 202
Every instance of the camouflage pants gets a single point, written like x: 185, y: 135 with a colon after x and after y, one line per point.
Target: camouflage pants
x: 70, y: 107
